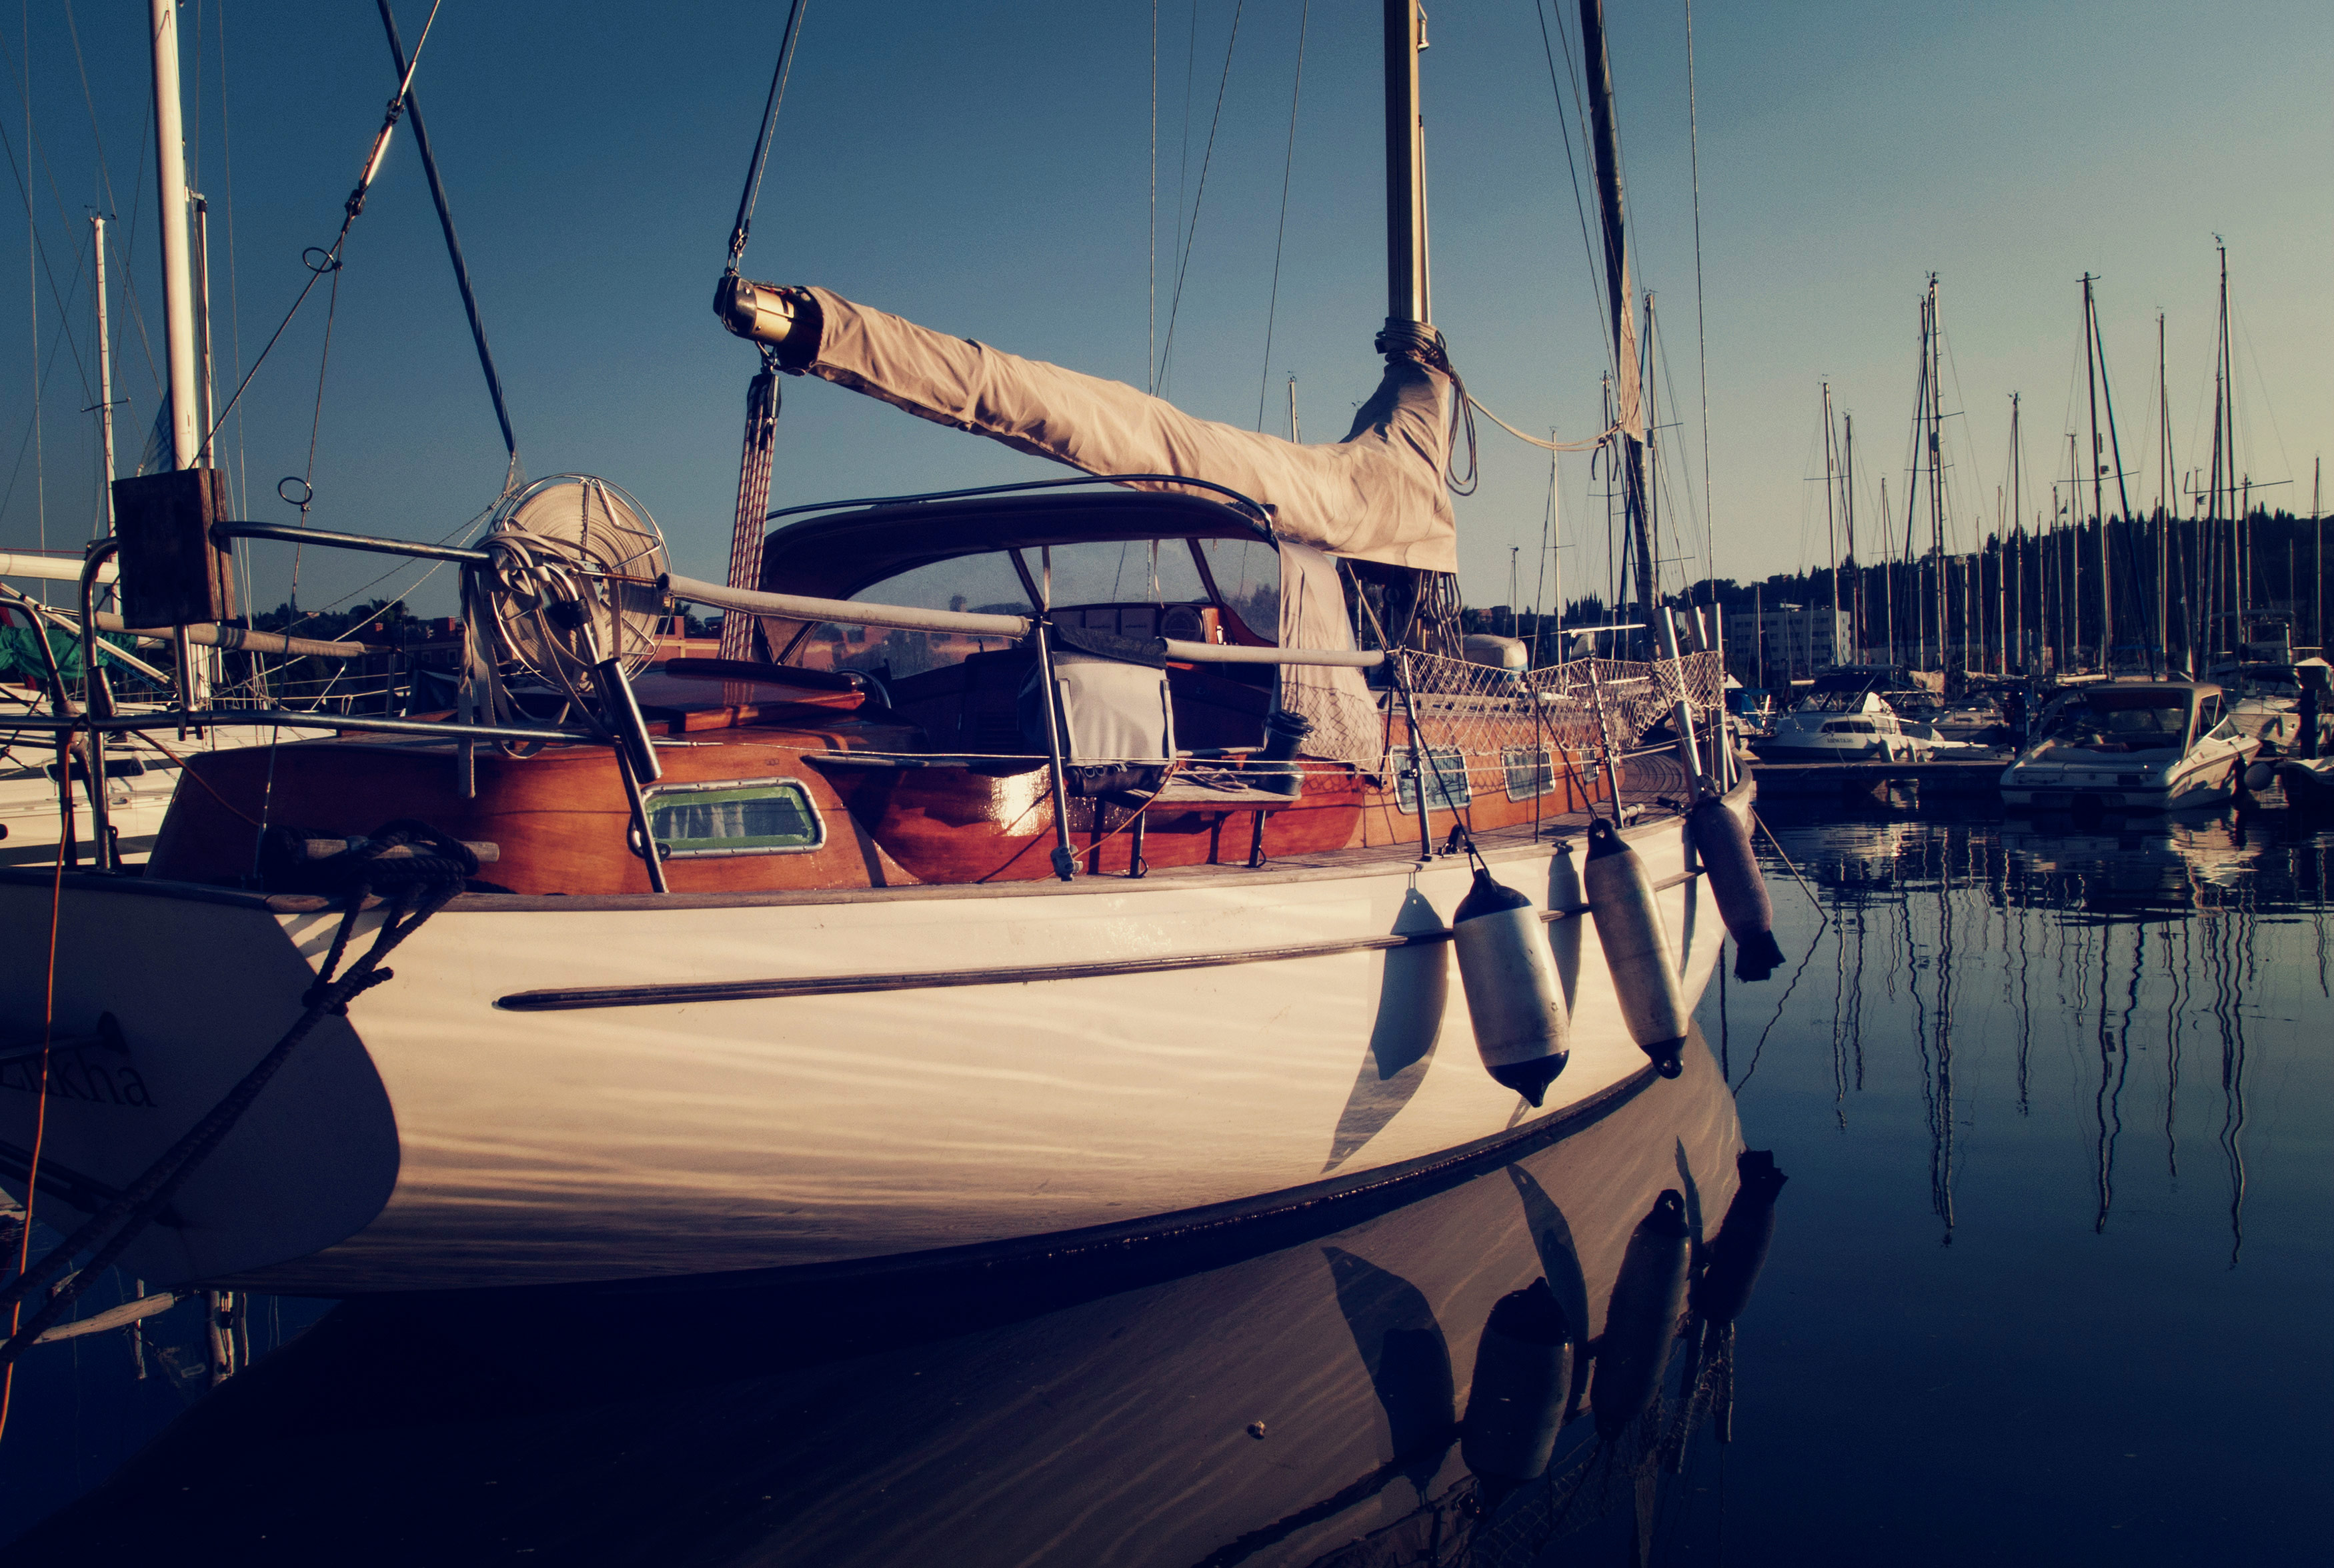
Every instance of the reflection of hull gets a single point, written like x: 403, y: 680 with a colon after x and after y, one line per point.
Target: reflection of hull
x: 1256, y: 1395
x: 2196, y: 782
x: 906, y: 1073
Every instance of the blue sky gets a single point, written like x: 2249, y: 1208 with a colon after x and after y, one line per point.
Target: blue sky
x: 986, y: 169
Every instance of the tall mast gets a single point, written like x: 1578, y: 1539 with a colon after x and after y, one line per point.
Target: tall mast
x: 2017, y: 524
x: 1915, y: 644
x: 2099, y: 506
x: 2164, y: 501
x: 1831, y: 534
x: 178, y: 279
x: 1856, y: 564
x: 104, y: 382
x: 1936, y: 463
x: 1631, y: 438
x: 1407, y: 302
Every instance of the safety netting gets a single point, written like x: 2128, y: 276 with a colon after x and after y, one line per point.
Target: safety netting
x: 1516, y: 728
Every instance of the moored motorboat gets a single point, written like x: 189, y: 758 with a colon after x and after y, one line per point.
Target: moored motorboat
x: 1850, y: 725
x: 2131, y: 746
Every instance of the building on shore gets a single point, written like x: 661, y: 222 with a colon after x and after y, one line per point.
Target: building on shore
x: 1782, y: 642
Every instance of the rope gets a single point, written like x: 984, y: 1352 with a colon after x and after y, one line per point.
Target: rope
x: 39, y: 1129
x: 753, y: 191
x: 1550, y: 445
x: 1288, y: 169
x: 422, y: 885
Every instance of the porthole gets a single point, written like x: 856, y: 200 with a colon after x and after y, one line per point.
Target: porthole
x: 739, y: 816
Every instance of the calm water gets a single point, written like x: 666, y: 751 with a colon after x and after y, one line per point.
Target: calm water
x: 2055, y: 1105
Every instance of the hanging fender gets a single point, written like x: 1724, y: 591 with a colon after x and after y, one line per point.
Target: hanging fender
x: 1637, y: 948
x: 1741, y: 1250
x: 1523, y: 1375
x: 1513, y: 997
x: 1633, y: 1350
x: 1723, y: 843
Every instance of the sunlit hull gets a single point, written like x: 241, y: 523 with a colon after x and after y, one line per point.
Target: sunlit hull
x: 444, y: 1135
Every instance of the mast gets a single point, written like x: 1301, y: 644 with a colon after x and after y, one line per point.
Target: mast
x: 2099, y: 505
x: 1917, y: 642
x: 104, y: 382
x: 2018, y: 527
x: 1407, y: 307
x: 1888, y: 574
x: 1856, y: 564
x: 204, y: 393
x: 2164, y: 502
x: 178, y: 279
x: 1831, y: 536
x: 1631, y: 438
x: 1937, y: 464
x: 2070, y: 591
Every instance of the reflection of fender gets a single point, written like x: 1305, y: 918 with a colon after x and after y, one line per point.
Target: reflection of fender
x: 1523, y: 1374
x: 1741, y: 1250
x: 1634, y: 1349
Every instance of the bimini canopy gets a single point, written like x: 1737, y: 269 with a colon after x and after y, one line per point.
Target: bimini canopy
x: 1378, y: 495
x: 838, y: 555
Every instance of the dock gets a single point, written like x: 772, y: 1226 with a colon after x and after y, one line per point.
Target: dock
x: 1958, y: 778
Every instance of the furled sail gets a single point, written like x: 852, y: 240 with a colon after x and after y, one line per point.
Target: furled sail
x: 1376, y: 495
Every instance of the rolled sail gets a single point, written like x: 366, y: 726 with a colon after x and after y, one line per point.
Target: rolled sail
x: 1376, y: 495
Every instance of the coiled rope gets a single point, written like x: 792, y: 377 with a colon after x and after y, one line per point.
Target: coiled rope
x: 415, y: 886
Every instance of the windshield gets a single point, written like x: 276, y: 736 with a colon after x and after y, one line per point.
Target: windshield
x: 1119, y: 586
x: 2120, y: 722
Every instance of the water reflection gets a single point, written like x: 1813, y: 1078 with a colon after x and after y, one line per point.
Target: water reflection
x: 1486, y: 1369
x: 2113, y: 942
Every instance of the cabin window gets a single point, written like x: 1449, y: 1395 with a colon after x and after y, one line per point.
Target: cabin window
x: 744, y: 816
x: 1530, y: 771
x: 1446, y: 781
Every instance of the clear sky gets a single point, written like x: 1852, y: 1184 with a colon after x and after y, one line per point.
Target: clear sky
x: 987, y: 169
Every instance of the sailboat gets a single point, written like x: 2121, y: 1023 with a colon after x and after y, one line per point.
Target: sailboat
x: 967, y: 911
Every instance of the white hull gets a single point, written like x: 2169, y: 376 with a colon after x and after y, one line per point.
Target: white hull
x: 2200, y: 780
x: 434, y: 1139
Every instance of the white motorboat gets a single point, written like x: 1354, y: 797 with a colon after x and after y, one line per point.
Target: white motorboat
x: 1845, y: 725
x: 2131, y: 746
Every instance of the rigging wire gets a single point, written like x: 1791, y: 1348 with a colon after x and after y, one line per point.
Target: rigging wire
x: 352, y: 208
x: 1199, y: 195
x: 1287, y: 168
x: 1150, y: 257
x: 1701, y: 323
x: 1572, y: 163
x: 454, y: 250
x: 754, y: 169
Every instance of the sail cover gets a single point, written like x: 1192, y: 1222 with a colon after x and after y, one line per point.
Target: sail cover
x: 1376, y: 495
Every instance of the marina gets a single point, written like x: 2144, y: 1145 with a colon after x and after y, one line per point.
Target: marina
x: 1021, y: 966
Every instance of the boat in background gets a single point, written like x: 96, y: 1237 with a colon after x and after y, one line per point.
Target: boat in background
x: 1850, y: 722
x: 2131, y: 746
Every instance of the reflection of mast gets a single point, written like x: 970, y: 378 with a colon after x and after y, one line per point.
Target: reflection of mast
x: 2110, y: 1101
x: 2232, y: 1083
x: 1938, y: 1090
